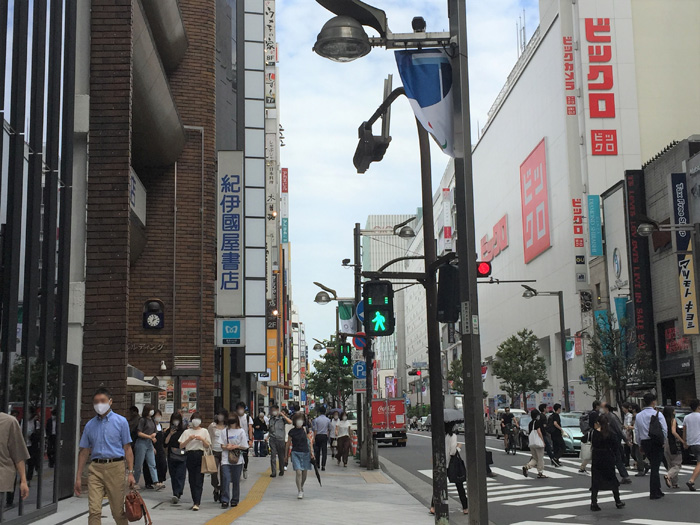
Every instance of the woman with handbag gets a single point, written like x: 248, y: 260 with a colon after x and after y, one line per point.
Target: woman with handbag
x: 456, y: 470
x: 536, y: 437
x: 161, y: 455
x: 215, y: 430
x: 195, y: 441
x: 673, y: 449
x: 301, y: 450
x: 144, y: 448
x: 176, y: 456
x: 233, y: 441
x: 603, y: 471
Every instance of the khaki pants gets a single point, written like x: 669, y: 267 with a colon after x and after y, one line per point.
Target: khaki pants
x: 107, y: 479
x: 537, y: 459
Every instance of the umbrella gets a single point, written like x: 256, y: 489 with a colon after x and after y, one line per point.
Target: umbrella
x: 318, y: 475
x: 452, y: 415
x: 334, y: 410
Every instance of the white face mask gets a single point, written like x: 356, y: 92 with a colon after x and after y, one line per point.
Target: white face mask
x: 220, y: 418
x: 101, y: 408
x: 151, y: 413
x: 299, y: 423
x: 157, y: 419
x: 345, y: 418
x: 335, y: 416
x: 274, y: 413
x: 196, y: 422
x: 261, y: 415
x: 241, y: 412
x: 176, y: 423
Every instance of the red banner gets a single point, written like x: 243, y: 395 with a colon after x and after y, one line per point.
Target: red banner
x: 535, y: 203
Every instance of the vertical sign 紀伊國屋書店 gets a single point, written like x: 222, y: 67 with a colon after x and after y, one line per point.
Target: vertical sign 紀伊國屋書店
x: 684, y: 248
x: 535, y: 203
x: 230, y: 224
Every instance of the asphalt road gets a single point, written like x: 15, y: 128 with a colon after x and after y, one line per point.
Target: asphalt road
x: 562, y: 498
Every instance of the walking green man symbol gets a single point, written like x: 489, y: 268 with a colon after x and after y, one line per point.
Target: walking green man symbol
x: 379, y: 321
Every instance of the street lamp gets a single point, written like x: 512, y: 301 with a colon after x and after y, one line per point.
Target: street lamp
x: 646, y: 229
x: 342, y: 39
x: 322, y: 297
x: 529, y: 293
x: 456, y: 41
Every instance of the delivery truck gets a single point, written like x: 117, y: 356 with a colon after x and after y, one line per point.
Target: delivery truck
x: 389, y: 423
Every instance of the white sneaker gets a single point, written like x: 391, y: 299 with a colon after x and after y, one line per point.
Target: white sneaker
x: 285, y: 468
x: 300, y: 495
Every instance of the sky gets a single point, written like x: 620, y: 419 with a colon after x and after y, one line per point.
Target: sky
x: 322, y: 104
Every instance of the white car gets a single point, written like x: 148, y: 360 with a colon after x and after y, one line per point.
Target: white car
x: 515, y: 411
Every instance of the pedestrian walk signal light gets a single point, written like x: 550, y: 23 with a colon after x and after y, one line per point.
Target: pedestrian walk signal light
x: 379, y: 308
x: 483, y: 269
x: 345, y: 355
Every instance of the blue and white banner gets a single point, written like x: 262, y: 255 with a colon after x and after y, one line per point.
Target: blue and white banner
x: 427, y: 79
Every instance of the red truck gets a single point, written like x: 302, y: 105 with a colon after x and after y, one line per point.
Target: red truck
x: 389, y: 423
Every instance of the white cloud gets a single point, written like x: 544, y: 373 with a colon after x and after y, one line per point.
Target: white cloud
x: 323, y: 103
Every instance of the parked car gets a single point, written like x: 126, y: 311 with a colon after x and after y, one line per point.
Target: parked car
x: 421, y: 423
x: 572, y: 431
x: 523, y: 434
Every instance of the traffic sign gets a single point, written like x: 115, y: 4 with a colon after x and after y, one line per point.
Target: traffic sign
x: 420, y: 364
x: 360, y: 311
x: 359, y: 369
x: 357, y: 355
x: 358, y: 386
x: 359, y: 341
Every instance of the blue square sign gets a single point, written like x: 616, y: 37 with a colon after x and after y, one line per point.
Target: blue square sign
x: 230, y: 332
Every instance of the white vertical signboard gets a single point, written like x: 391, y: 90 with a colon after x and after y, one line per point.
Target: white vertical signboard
x: 229, y: 227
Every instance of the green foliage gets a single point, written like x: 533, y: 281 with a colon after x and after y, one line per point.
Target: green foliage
x: 328, y: 381
x: 418, y: 411
x: 454, y: 374
x: 613, y: 363
x: 520, y: 367
x: 36, y: 380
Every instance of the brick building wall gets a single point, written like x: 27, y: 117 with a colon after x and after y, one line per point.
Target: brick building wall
x: 107, y: 243
x: 189, y: 322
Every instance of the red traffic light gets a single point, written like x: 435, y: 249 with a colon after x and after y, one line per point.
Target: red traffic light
x: 418, y: 372
x: 483, y: 269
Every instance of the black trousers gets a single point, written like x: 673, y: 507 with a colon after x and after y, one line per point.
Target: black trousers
x: 194, y: 473
x: 548, y: 447
x: 594, y: 496
x: 462, y: 495
x: 655, y: 454
x: 558, y: 445
x: 321, y: 448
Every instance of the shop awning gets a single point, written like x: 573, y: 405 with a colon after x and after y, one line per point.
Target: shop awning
x: 134, y: 385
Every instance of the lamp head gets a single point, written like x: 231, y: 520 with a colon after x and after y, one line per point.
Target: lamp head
x: 346, y: 262
x: 645, y: 229
x: 162, y: 366
x: 342, y: 39
x: 406, y: 232
x: 418, y: 24
x: 322, y: 297
x: 529, y: 291
x: 318, y: 346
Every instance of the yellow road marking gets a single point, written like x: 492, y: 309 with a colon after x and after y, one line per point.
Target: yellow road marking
x: 254, y: 496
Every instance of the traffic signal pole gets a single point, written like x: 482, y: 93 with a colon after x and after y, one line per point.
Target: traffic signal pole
x: 358, y: 297
x: 437, y: 413
x: 466, y: 252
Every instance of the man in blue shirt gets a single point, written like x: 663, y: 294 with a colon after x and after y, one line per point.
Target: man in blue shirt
x: 106, y: 441
x: 321, y: 429
x: 653, y: 450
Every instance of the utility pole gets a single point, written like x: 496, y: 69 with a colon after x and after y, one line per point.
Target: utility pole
x: 358, y: 297
x: 466, y: 253
x: 437, y: 413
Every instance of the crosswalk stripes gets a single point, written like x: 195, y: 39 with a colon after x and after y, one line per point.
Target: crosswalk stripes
x: 551, y: 473
x: 540, y: 492
x: 624, y: 494
x: 630, y: 522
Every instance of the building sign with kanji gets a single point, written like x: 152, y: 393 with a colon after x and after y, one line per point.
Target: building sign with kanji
x: 569, y: 76
x: 600, y: 82
x: 229, y: 226
x: 535, y: 203
x: 684, y: 248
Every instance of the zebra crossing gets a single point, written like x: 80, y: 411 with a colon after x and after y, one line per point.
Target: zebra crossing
x: 567, y: 517
x: 536, y: 492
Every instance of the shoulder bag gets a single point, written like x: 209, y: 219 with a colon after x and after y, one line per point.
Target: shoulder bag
x: 656, y: 431
x: 209, y: 462
x: 586, y: 450
x: 535, y: 439
x: 233, y: 455
x: 135, y: 508
x: 456, y: 470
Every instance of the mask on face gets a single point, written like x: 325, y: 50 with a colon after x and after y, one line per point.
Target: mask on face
x: 274, y: 413
x: 220, y: 418
x: 176, y: 422
x: 241, y: 412
x: 261, y: 415
x: 196, y: 422
x: 157, y: 419
x: 335, y: 416
x: 101, y: 408
x: 298, y: 423
x: 151, y: 413
x: 345, y: 418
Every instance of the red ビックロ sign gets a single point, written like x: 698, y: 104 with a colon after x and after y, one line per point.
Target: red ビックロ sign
x: 535, y: 203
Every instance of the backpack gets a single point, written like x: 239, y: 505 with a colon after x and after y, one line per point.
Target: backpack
x: 656, y: 431
x: 551, y: 429
x: 584, y: 423
x: 135, y: 508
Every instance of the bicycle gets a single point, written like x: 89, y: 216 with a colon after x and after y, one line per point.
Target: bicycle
x: 511, y: 445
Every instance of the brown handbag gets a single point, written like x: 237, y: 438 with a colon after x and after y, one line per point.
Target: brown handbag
x: 135, y: 508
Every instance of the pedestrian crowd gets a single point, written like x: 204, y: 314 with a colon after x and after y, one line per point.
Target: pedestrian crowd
x: 119, y: 450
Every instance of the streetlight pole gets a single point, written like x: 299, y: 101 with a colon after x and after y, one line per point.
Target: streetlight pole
x: 562, y: 341
x: 466, y: 253
x: 361, y: 416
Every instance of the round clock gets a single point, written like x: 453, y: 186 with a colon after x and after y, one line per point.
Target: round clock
x: 153, y: 320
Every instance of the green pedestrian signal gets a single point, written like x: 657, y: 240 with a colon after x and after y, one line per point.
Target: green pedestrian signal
x: 345, y: 355
x: 379, y: 310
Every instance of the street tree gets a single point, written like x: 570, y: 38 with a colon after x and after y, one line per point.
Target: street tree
x: 454, y: 374
x: 614, y: 363
x: 520, y: 366
x: 329, y: 381
x: 18, y: 384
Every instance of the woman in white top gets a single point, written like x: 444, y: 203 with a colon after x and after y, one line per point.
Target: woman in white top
x: 342, y: 434
x: 455, y: 473
x: 233, y: 441
x: 195, y: 440
x: 215, y: 429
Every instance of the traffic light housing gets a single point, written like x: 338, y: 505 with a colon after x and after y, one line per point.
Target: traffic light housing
x: 414, y: 372
x: 345, y: 355
x: 483, y: 269
x: 379, y: 308
x: 369, y: 149
x: 448, y: 307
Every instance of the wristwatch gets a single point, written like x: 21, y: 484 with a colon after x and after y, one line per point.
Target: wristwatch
x: 130, y: 471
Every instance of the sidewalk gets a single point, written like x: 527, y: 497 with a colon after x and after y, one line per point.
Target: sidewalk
x: 362, y: 497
